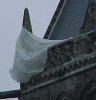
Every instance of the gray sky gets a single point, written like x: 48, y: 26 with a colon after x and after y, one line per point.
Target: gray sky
x: 41, y: 12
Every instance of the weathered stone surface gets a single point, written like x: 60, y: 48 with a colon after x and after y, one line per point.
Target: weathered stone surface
x: 90, y: 18
x: 69, y: 50
x: 70, y: 68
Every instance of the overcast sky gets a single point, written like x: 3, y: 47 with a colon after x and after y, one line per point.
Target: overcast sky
x: 11, y: 15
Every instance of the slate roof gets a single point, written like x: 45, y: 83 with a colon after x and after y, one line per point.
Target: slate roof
x: 67, y: 20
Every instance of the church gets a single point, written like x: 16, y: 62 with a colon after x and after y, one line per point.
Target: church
x: 70, y: 68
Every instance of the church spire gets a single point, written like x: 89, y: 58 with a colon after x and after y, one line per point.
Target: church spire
x: 26, y: 20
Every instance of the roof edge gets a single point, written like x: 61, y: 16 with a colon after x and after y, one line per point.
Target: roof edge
x: 55, y: 18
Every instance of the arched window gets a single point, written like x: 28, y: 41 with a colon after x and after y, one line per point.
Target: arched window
x: 65, y: 96
x: 90, y: 92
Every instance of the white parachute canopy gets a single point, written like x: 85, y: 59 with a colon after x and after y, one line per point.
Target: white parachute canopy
x: 30, y: 56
